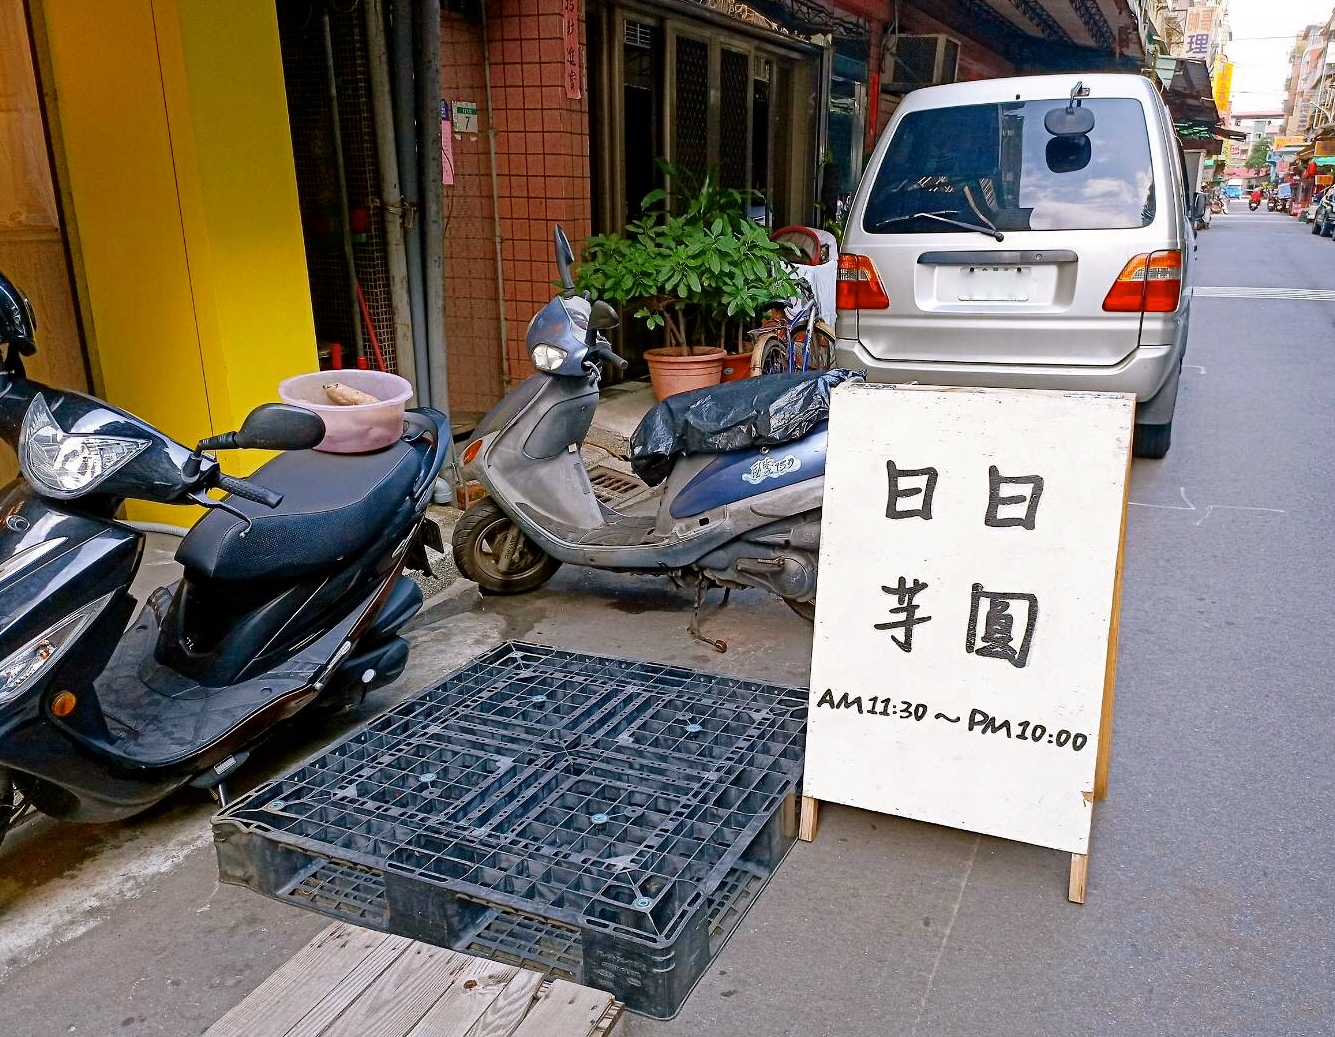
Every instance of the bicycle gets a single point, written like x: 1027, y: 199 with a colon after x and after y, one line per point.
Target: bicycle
x: 792, y: 337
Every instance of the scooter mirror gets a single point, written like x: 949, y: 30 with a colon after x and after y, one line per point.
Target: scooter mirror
x: 565, y: 256
x: 602, y: 316
x: 280, y: 426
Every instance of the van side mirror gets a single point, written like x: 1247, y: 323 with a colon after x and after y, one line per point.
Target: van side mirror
x: 1069, y: 122
x: 1198, y: 207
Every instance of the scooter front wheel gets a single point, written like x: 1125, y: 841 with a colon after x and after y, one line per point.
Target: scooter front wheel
x: 14, y: 805
x: 495, y: 554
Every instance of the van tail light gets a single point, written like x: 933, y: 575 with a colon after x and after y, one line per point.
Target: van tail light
x: 1149, y: 283
x: 859, y: 285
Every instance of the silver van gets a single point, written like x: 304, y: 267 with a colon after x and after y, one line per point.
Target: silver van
x: 1033, y: 232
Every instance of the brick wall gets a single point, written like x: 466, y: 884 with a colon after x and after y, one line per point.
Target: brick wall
x: 471, y: 315
x: 542, y: 171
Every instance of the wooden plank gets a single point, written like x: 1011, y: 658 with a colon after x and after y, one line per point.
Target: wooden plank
x: 788, y: 816
x: 565, y: 1009
x: 344, y: 987
x: 503, y: 1016
x: 402, y: 994
x: 477, y: 985
x: 610, y: 1023
x: 297, y: 986
x: 810, y: 819
x: 1103, y: 761
x: 1075, y: 892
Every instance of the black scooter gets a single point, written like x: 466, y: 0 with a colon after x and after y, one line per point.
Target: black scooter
x: 292, y: 592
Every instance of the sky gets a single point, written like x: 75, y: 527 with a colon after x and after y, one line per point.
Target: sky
x: 1261, y: 61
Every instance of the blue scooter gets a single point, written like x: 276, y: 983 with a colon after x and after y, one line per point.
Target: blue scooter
x: 748, y: 517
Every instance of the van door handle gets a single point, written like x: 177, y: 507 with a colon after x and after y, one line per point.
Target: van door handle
x: 997, y: 258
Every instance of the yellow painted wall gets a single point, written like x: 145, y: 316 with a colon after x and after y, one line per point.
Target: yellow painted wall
x: 173, y: 121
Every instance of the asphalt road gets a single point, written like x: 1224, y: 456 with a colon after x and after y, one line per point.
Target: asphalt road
x: 1211, y: 865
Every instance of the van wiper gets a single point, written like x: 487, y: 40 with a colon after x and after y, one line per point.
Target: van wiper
x: 989, y: 230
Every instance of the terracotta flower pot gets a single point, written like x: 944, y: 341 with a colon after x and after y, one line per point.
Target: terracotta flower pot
x: 672, y: 373
x: 736, y: 366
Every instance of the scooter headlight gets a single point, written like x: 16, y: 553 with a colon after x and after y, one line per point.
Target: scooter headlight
x: 548, y: 358
x: 67, y: 464
x: 44, y: 650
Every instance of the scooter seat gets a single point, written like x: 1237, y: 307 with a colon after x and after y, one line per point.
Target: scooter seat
x: 334, y: 506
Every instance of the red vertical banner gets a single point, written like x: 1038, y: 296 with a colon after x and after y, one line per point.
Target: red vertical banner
x: 570, y: 47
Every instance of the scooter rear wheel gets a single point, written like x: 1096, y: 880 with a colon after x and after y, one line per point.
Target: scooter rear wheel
x: 495, y: 554
x: 805, y: 609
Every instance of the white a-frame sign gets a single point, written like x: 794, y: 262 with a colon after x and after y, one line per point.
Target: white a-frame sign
x: 961, y: 672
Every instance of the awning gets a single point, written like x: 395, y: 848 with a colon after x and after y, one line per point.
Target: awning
x: 1108, y: 27
x: 1187, y: 90
x: 1037, y: 36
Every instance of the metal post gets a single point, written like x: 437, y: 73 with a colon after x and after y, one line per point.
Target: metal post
x: 342, y: 190
x: 391, y: 200
x: 433, y: 222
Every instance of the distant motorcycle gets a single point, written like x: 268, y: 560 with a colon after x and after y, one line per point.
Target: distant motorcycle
x: 1254, y: 205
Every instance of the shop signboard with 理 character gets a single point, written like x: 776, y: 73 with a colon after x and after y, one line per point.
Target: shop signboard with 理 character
x: 962, y: 658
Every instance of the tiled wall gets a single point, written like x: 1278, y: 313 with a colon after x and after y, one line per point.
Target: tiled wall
x: 542, y: 167
x: 471, y: 314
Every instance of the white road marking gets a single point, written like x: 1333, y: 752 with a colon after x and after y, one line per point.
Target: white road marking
x: 1209, y: 508
x: 1299, y: 294
x: 56, y: 912
x: 1194, y: 367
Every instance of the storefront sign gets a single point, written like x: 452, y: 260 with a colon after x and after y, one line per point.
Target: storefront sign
x: 969, y: 554
x: 1223, y: 87
x: 1199, y: 32
x: 570, y: 47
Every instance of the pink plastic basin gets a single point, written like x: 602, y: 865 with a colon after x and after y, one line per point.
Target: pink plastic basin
x: 361, y: 427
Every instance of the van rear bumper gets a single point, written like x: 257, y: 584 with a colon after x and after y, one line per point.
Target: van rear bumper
x: 1143, y: 372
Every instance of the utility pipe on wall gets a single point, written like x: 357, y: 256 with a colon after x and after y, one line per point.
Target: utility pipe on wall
x: 433, y: 225
x: 495, y: 206
x: 391, y: 199
x: 427, y: 39
x: 405, y: 137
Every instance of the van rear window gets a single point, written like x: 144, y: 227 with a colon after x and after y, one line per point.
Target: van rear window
x: 997, y: 166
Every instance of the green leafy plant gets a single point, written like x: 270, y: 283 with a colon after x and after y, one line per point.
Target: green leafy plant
x: 693, y: 262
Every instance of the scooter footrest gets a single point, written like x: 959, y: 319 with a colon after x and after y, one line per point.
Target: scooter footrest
x: 622, y: 531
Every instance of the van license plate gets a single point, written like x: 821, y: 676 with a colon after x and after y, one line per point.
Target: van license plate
x: 994, y: 284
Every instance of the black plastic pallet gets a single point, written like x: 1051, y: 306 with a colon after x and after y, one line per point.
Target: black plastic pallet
x: 597, y: 818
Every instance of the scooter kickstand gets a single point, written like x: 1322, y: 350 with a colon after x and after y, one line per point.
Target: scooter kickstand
x: 694, y: 628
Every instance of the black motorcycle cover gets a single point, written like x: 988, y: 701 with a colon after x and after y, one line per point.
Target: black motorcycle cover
x: 763, y: 411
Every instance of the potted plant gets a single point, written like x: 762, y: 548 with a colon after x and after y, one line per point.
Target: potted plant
x: 693, y: 264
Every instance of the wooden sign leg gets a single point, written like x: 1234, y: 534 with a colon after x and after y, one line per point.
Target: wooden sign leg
x: 1075, y: 892
x: 1104, y: 759
x: 806, y: 831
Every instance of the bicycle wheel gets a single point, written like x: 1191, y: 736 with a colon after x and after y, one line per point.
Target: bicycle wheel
x: 822, y: 351
x: 770, y: 356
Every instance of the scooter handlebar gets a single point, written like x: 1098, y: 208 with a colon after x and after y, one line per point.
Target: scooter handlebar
x: 605, y: 353
x: 248, y: 490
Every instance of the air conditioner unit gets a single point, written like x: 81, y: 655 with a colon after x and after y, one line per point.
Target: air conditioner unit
x: 913, y: 61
